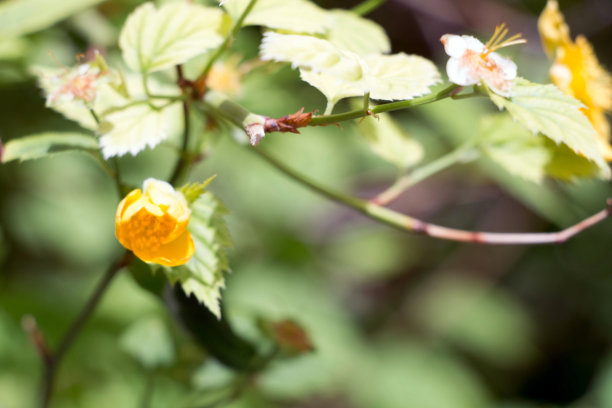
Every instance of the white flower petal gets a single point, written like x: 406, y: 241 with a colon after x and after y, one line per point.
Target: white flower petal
x: 460, y: 73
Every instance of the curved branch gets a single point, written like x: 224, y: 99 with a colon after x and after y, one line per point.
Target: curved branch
x: 411, y: 224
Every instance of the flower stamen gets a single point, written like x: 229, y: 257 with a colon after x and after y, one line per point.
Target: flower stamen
x: 497, y: 40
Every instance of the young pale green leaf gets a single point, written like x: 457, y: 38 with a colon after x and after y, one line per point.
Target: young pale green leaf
x: 354, y: 33
x: 329, y: 85
x: 202, y: 276
x: 132, y: 129
x: 532, y: 157
x: 298, y: 16
x: 155, y: 39
x: 27, y: 16
x: 400, y: 76
x: 339, y: 73
x: 44, y: 144
x: 545, y: 109
x: 514, y: 148
x: 391, y: 142
x: 312, y: 53
x: 149, y: 342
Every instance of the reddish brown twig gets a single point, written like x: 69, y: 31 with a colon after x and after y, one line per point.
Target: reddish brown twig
x: 289, y: 123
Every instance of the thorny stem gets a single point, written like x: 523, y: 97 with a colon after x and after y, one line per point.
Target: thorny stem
x: 463, y: 154
x: 407, y: 223
x: 367, y: 7
x: 386, y: 107
x: 52, y: 360
x: 221, y: 49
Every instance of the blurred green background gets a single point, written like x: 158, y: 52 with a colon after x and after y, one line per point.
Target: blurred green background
x: 396, y: 320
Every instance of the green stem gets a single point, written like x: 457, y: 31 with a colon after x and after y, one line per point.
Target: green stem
x: 367, y: 7
x: 406, y: 223
x: 229, y: 38
x: 386, y: 107
x: 463, y: 154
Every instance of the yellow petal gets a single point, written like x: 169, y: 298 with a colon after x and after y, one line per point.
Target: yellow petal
x: 554, y: 32
x: 174, y: 253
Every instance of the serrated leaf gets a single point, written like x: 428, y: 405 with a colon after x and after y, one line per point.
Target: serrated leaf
x: 531, y: 157
x: 298, y: 16
x: 354, y: 33
x: 545, y: 109
x: 155, y: 39
x: 400, y: 76
x: 19, y: 17
x: 132, y: 129
x: 341, y: 73
x: 44, y: 144
x: 202, y: 276
x: 149, y: 342
x: 312, y: 53
x: 391, y: 142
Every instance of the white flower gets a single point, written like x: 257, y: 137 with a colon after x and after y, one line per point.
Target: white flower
x: 472, y: 62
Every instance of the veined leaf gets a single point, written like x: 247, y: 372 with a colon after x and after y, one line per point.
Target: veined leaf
x: 202, y: 276
x: 545, y: 109
x: 132, y: 129
x: 19, y: 17
x: 44, y: 144
x: 312, y: 53
x: 298, y: 16
x: 152, y: 40
x: 354, y: 33
x: 400, y: 76
x: 148, y: 341
x: 329, y: 85
x: 390, y: 141
x: 340, y: 73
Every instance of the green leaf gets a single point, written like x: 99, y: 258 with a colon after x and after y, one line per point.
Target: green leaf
x: 339, y: 73
x: 545, y: 109
x: 152, y: 40
x: 514, y: 148
x: 149, y: 342
x: 400, y: 76
x: 354, y: 33
x: 20, y: 17
x: 391, y: 142
x: 298, y: 16
x: 202, y: 276
x: 44, y: 144
x: 531, y: 157
x: 314, y: 54
x: 132, y: 129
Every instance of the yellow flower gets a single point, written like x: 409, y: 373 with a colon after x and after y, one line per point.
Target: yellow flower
x: 577, y: 72
x: 152, y: 223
